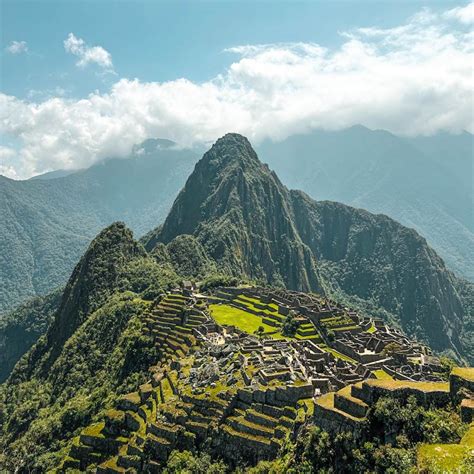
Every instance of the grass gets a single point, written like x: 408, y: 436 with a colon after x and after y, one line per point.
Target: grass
x: 255, y: 300
x: 327, y: 401
x: 336, y: 321
x: 245, y: 436
x: 372, y: 329
x: 464, y: 372
x: 308, y: 402
x: 227, y: 315
x: 345, y: 328
x: 94, y: 430
x: 382, y: 375
x: 401, y: 384
x: 251, y: 306
x: 443, y: 458
x: 166, y: 389
x: 346, y: 392
x: 468, y: 438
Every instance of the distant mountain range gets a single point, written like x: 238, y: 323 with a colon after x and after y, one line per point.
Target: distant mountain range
x: 48, y: 222
x: 425, y: 183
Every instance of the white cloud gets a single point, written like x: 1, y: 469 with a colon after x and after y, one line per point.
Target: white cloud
x: 88, y: 54
x: 17, y: 47
x: 415, y: 78
x: 463, y: 14
x: 6, y: 167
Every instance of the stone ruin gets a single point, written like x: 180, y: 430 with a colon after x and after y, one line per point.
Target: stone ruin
x: 242, y: 394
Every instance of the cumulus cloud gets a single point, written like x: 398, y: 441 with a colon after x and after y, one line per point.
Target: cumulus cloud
x: 463, y: 14
x: 88, y: 54
x: 415, y: 78
x: 17, y: 47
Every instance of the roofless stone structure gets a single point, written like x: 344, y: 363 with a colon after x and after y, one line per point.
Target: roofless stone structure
x: 231, y: 376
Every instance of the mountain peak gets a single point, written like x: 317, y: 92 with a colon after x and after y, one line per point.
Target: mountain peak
x: 231, y: 148
x: 151, y: 145
x: 233, y: 139
x: 240, y: 212
x: 91, y: 283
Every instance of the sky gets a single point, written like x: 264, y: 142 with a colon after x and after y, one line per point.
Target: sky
x: 81, y: 81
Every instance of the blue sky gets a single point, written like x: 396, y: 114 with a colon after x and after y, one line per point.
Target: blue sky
x: 85, y: 80
x: 161, y: 41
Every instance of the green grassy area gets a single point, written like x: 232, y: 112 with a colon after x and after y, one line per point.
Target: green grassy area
x: 94, y: 430
x: 347, y: 393
x: 372, y: 329
x: 400, y: 384
x: 443, y: 458
x: 227, y: 315
x: 248, y: 322
x: 464, y: 372
x: 255, y: 300
x: 468, y: 438
x: 345, y: 328
x: 315, y: 337
x: 382, y: 375
x: 249, y: 304
x: 336, y: 321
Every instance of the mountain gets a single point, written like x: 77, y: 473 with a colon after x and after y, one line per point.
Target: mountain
x: 252, y: 225
x: 95, y: 347
x: 422, y: 182
x: 48, y: 223
x: 93, y: 280
x: 53, y: 174
x: 126, y: 346
x: 242, y: 215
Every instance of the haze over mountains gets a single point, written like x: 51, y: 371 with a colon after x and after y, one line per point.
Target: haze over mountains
x: 425, y: 183
x: 48, y: 223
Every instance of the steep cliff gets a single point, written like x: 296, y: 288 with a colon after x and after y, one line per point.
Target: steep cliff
x: 240, y: 212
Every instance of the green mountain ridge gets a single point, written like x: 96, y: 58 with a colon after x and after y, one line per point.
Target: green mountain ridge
x: 252, y: 225
x: 421, y: 182
x: 227, y: 203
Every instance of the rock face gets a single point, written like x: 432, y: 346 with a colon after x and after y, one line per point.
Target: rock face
x: 241, y: 213
x: 253, y: 225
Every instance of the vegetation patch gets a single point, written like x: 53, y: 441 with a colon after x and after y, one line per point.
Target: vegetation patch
x: 250, y: 323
